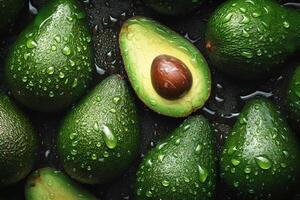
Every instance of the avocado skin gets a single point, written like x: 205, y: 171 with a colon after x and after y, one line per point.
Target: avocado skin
x: 293, y: 99
x: 18, y: 143
x: 252, y: 40
x: 175, y: 160
x: 50, y: 65
x: 9, y: 11
x: 173, y: 7
x: 109, y: 104
x: 260, y: 132
x: 48, y: 182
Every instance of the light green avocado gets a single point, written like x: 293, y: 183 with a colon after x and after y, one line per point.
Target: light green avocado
x: 141, y: 41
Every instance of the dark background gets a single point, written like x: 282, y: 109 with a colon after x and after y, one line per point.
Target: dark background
x: 105, y: 19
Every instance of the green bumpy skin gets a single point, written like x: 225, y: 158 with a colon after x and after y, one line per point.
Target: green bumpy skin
x: 99, y: 139
x: 141, y: 41
x: 182, y: 166
x: 48, y: 183
x: 293, y: 99
x: 174, y: 7
x: 250, y: 39
x: 18, y: 143
x: 9, y: 11
x: 261, y: 156
x: 50, y: 65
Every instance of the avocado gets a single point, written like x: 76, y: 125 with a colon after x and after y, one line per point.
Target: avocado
x: 174, y: 7
x: 159, y: 62
x: 293, y: 99
x: 50, y: 65
x: 48, y: 183
x: 18, y: 143
x: 9, y: 11
x: 182, y: 166
x: 261, y: 155
x: 99, y: 138
x: 251, y: 39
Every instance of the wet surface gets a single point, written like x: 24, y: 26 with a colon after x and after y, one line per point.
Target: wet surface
x: 105, y: 19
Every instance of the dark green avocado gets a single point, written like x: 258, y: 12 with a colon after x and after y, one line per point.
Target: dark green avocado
x: 48, y: 183
x: 18, y: 143
x: 99, y: 138
x: 293, y: 99
x: 50, y: 65
x: 9, y: 11
x: 182, y: 166
x: 174, y: 7
x: 251, y: 39
x: 261, y: 156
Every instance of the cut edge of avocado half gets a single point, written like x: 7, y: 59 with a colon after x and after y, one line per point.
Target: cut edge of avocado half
x: 138, y: 39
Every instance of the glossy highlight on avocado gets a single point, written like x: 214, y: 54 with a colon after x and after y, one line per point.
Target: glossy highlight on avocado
x: 174, y: 7
x: 261, y: 154
x: 251, y: 39
x: 141, y: 41
x: 50, y: 65
x: 98, y: 139
x: 18, y: 143
x: 48, y: 183
x: 182, y: 166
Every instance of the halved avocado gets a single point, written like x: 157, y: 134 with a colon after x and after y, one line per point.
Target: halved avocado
x: 141, y: 41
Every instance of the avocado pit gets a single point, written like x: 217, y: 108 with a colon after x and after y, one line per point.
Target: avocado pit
x: 170, y: 77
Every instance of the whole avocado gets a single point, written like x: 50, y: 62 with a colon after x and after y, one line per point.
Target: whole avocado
x: 182, y: 166
x: 261, y: 155
x: 50, y: 65
x: 18, y: 143
x: 99, y: 138
x: 174, y: 7
x: 9, y: 10
x: 293, y: 99
x: 251, y: 39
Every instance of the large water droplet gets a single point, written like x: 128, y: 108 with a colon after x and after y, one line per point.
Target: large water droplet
x: 203, y: 174
x: 108, y: 137
x: 31, y: 43
x: 263, y: 162
x: 66, y: 51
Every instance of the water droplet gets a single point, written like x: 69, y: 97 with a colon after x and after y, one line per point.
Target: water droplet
x: 66, y: 51
x: 149, y: 193
x: 61, y: 75
x: 203, y: 174
x: 31, y: 43
x: 235, y: 162
x: 165, y: 183
x: 263, y: 162
x: 50, y: 70
x: 247, y: 54
x: 247, y: 170
x: 75, y: 82
x: 109, y: 138
x: 231, y: 150
x: 286, y: 24
x: 116, y: 100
